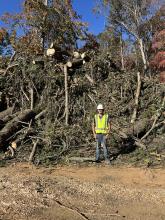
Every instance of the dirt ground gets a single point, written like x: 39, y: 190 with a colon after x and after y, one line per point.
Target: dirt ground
x: 93, y: 192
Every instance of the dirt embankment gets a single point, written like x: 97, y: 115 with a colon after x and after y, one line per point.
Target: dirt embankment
x: 71, y: 192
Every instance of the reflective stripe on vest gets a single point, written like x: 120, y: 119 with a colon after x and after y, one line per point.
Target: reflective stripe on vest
x: 101, y: 124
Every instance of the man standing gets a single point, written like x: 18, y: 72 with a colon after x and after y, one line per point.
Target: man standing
x: 101, y: 127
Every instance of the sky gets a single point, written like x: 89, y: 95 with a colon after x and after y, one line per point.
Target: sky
x: 82, y: 7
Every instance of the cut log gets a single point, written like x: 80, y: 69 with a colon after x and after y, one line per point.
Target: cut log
x: 14, y: 125
x: 69, y: 64
x: 57, y: 52
x: 75, y: 63
x: 86, y: 56
x: 76, y: 54
x: 83, y: 55
x: 50, y: 52
x: 82, y: 159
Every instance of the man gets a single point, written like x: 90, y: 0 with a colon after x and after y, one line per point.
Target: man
x: 101, y: 127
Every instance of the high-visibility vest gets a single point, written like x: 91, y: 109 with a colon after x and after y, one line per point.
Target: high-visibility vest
x: 101, y: 124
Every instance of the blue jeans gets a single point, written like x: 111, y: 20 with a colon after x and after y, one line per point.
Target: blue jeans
x: 101, y: 141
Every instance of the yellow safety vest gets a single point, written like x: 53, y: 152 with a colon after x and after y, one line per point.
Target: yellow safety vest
x: 101, y: 124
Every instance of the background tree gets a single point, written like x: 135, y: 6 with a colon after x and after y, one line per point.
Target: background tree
x: 132, y: 16
x: 158, y: 43
x: 5, y: 48
x: 111, y: 42
x: 158, y: 46
x: 43, y: 24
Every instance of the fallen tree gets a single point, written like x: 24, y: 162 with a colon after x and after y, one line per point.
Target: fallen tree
x: 14, y: 125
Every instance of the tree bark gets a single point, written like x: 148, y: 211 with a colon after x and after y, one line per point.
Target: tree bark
x: 140, y: 41
x: 89, y: 78
x: 141, y: 46
x: 82, y: 159
x: 31, y: 98
x: 6, y: 112
x: 121, y: 53
x: 14, y: 125
x: 136, y: 98
x: 33, y: 150
x: 66, y: 95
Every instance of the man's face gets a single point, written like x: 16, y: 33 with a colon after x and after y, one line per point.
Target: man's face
x: 100, y: 111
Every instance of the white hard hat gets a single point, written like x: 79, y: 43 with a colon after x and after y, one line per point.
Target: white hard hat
x: 100, y: 106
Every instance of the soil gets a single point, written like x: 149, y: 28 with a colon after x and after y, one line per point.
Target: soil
x: 74, y: 192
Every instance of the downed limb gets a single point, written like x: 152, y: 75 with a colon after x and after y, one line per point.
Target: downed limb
x: 41, y: 114
x: 89, y: 79
x: 14, y: 125
x: 154, y: 125
x: 157, y: 155
x: 33, y: 150
x: 82, y: 159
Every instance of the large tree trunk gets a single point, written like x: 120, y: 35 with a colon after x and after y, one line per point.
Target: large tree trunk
x: 6, y: 112
x: 14, y: 125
